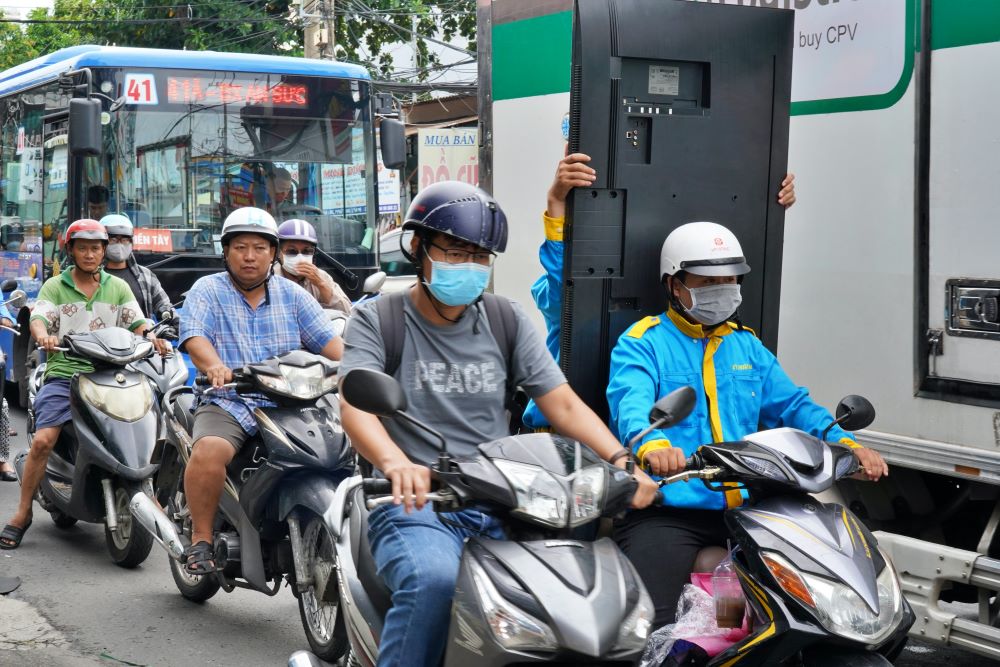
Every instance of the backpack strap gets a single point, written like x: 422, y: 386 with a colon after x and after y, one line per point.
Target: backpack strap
x: 390, y: 322
x: 503, y: 324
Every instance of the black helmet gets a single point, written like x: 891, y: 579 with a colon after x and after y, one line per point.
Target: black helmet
x: 459, y: 210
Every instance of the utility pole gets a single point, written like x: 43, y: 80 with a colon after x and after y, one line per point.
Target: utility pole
x: 318, y: 32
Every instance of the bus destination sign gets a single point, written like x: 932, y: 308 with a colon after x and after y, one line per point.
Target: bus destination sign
x: 206, y: 90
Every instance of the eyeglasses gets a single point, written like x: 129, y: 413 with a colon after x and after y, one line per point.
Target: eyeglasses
x: 456, y: 256
x: 292, y: 252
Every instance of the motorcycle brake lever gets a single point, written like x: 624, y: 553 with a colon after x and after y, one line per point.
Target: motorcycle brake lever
x: 704, y: 473
x: 228, y: 385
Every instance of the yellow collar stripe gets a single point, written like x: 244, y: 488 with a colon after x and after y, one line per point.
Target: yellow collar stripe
x: 697, y: 330
x: 733, y: 498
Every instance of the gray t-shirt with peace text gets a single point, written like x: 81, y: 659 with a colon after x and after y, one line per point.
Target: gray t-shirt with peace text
x: 453, y: 376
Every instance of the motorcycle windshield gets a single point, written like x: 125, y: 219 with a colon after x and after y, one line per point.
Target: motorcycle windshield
x: 554, y: 453
x: 804, y: 452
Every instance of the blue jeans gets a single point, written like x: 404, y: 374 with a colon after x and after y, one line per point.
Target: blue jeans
x: 417, y: 556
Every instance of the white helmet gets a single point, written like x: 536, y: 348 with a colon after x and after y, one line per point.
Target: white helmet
x: 117, y: 225
x: 250, y: 220
x: 704, y: 249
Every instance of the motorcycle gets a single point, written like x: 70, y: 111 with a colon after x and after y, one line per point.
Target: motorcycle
x: 818, y: 589
x: 165, y: 372
x: 536, y: 597
x: 273, y: 520
x: 103, y: 456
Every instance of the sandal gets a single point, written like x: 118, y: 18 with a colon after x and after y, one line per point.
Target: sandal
x: 11, y: 536
x: 199, y: 559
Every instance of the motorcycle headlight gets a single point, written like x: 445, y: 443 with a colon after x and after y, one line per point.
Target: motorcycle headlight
x: 513, y: 628
x: 587, y: 491
x: 306, y: 383
x: 839, y: 609
x: 764, y: 468
x: 540, y: 496
x: 127, y: 404
x: 635, y: 629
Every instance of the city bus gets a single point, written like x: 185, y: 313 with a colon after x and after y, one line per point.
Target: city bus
x: 185, y: 138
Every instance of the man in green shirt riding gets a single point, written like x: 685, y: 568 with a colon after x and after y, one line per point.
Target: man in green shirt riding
x: 83, y: 298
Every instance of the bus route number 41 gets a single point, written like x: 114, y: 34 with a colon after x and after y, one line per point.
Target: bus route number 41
x: 140, y: 89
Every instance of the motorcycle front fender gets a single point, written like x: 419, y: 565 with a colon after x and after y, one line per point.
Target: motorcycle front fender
x: 313, y: 492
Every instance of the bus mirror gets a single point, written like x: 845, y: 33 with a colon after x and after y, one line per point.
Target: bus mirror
x: 84, y: 127
x: 392, y: 135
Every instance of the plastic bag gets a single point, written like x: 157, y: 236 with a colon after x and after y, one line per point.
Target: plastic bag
x: 694, y: 638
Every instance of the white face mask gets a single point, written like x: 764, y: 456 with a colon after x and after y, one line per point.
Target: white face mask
x: 714, y: 304
x: 289, y: 262
x: 118, y: 252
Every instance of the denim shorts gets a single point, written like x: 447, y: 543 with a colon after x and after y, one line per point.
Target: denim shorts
x: 52, y: 404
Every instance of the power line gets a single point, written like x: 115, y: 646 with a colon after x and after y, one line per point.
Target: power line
x: 137, y: 21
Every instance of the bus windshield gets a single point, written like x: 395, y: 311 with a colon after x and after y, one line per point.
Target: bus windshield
x: 184, y: 148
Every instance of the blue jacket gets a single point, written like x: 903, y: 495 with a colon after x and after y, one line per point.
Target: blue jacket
x: 547, y: 292
x: 741, y: 389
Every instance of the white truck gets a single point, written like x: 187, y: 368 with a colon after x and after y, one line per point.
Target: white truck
x: 891, y: 273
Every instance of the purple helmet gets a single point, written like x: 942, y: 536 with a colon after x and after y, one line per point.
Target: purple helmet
x: 297, y: 230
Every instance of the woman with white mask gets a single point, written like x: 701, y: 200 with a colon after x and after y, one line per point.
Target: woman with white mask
x: 298, y: 249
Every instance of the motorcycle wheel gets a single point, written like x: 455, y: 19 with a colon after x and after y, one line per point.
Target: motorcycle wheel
x: 321, y: 619
x: 62, y: 520
x: 130, y: 544
x: 195, y: 588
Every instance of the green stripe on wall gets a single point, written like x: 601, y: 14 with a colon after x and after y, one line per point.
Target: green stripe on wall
x: 964, y: 22
x: 532, y: 57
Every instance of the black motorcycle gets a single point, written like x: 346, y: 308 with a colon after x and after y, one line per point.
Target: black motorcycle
x: 539, y: 596
x: 819, y: 591
x: 273, y: 521
x: 104, y: 456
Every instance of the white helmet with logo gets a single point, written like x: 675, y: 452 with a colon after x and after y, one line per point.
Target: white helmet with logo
x: 250, y: 220
x: 704, y: 249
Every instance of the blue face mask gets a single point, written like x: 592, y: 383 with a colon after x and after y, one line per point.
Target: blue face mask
x: 458, y: 284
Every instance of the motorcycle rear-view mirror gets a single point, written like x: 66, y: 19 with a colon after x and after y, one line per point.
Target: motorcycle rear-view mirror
x: 673, y: 408
x: 374, y: 392
x: 855, y: 413
x: 17, y: 299
x: 8, y: 285
x: 668, y: 411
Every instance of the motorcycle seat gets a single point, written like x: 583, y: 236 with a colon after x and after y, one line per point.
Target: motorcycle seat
x: 183, y: 405
x: 378, y: 592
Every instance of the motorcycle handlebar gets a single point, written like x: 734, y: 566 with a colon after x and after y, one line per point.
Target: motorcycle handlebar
x: 376, y: 486
x: 432, y: 497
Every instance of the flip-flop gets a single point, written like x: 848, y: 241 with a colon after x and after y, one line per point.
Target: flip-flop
x: 13, y: 534
x: 199, y: 559
x: 8, y: 476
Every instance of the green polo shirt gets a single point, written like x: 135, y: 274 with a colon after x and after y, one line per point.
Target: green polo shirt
x: 65, y: 309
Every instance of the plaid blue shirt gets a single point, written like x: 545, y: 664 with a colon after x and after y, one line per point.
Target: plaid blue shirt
x: 288, y: 319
